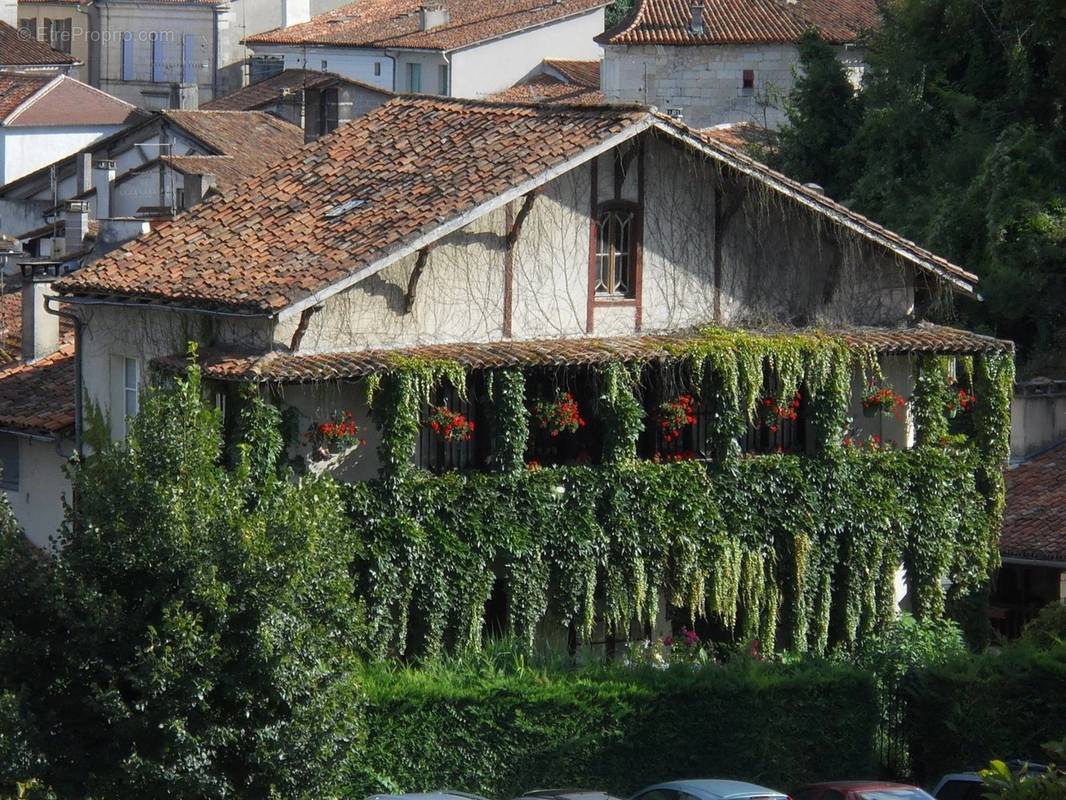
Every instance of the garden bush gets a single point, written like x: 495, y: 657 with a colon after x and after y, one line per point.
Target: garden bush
x: 501, y: 733
x: 969, y: 710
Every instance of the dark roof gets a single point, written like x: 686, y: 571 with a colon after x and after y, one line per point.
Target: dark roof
x: 1034, y: 522
x: 17, y: 50
x: 39, y: 397
x: 252, y: 137
x: 743, y: 22
x: 395, y: 23
x: 269, y: 91
x: 283, y: 367
x: 420, y: 166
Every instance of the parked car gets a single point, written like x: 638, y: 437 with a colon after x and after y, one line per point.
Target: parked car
x: 708, y: 789
x: 860, y: 790
x: 437, y: 794
x: 566, y: 794
x: 969, y: 786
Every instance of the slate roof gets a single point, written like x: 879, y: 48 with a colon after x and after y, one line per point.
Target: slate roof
x: 283, y: 367
x: 396, y: 24
x: 1034, y: 522
x: 269, y: 91
x: 17, y: 50
x: 39, y: 397
x: 668, y: 22
x: 16, y: 88
x: 413, y: 169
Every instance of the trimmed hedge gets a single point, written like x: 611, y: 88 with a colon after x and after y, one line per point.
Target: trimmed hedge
x: 504, y: 734
x: 965, y: 712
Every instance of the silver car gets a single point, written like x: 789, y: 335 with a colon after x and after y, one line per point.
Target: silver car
x: 708, y: 789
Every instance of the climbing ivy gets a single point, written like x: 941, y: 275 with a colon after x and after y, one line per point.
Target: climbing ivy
x: 799, y: 552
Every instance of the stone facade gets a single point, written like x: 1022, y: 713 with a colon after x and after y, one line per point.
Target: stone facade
x: 706, y: 83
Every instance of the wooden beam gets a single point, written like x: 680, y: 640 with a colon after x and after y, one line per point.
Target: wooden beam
x: 412, y: 282
x: 516, y: 227
x: 725, y: 207
x: 301, y: 326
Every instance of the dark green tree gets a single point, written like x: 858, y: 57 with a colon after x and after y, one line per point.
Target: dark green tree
x: 823, y: 115
x: 195, y: 636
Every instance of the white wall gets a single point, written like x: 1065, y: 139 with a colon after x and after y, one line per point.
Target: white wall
x: 1037, y: 417
x: 493, y: 66
x: 38, y: 502
x: 26, y: 149
x: 351, y: 62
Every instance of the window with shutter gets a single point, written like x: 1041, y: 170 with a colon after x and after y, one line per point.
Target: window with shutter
x: 188, y: 58
x: 127, y: 56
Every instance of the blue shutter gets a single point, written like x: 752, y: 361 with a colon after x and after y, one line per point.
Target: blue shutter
x: 127, y: 56
x: 159, y: 63
x: 188, y: 58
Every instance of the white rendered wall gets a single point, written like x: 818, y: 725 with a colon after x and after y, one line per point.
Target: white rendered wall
x: 355, y: 63
x: 496, y: 65
x: 26, y: 149
x: 38, y: 502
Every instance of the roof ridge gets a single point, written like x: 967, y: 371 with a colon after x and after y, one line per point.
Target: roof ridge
x: 487, y: 103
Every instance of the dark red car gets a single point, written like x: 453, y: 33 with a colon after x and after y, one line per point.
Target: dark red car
x: 859, y: 790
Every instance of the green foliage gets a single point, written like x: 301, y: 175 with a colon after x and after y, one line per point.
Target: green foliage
x: 978, y: 707
x: 510, y: 419
x: 958, y: 145
x: 823, y: 117
x: 622, y: 414
x: 195, y: 635
x: 1048, y: 628
x: 617, y: 11
x: 1001, y: 783
x: 500, y: 732
x: 930, y: 400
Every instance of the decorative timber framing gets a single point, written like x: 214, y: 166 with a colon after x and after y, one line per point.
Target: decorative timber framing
x: 412, y: 282
x: 726, y: 205
x: 301, y: 326
x: 513, y: 226
x: 594, y: 233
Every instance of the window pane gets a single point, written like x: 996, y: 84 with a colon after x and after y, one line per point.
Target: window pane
x: 614, y: 254
x: 131, y: 388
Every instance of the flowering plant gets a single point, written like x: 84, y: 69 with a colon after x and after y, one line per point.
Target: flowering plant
x: 670, y: 458
x: 959, y: 401
x: 450, y: 425
x: 684, y: 648
x: 675, y: 415
x: 881, y: 399
x: 334, y: 435
x: 559, y: 415
x: 870, y: 443
x: 772, y: 413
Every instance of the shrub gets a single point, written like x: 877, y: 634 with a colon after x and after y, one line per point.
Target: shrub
x: 972, y: 709
x: 502, y: 733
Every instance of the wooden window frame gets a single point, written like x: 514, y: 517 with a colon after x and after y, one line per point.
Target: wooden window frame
x: 629, y: 296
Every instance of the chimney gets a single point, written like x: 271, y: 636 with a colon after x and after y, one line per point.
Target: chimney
x: 293, y: 12
x: 84, y: 163
x: 103, y: 178
x: 432, y: 15
x: 76, y: 222
x: 40, y: 330
x: 196, y: 186
x: 696, y: 25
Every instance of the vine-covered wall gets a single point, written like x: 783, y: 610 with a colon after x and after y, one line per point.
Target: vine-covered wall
x: 799, y: 552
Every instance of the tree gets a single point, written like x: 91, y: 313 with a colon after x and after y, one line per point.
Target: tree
x: 196, y: 634
x: 823, y: 114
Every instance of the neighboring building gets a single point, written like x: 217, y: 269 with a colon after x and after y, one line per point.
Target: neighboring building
x: 155, y: 169
x: 457, y: 48
x: 316, y: 101
x: 37, y: 390
x: 558, y: 81
x: 46, y: 117
x: 1033, y: 544
x: 725, y: 60
x: 59, y: 27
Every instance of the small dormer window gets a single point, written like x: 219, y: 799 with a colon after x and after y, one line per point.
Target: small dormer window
x: 616, y: 246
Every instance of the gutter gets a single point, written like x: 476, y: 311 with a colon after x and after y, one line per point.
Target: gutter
x: 1034, y: 562
x: 36, y: 437
x: 156, y: 305
x: 78, y: 421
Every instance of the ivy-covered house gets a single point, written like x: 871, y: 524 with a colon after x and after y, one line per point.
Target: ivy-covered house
x: 585, y: 370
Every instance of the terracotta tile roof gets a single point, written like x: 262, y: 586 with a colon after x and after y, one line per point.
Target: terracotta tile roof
x: 1034, y: 522
x: 11, y: 324
x: 395, y: 23
x: 740, y: 135
x: 743, y: 22
x: 17, y: 50
x: 65, y: 101
x: 284, y: 367
x: 548, y: 89
x: 582, y: 73
x: 249, y: 136
x: 39, y: 397
x: 269, y: 91
x: 17, y: 88
x: 417, y: 164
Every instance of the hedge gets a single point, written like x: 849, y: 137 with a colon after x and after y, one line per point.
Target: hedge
x: 617, y: 730
x: 963, y: 713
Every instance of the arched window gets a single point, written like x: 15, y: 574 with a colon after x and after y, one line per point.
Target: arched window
x: 616, y: 249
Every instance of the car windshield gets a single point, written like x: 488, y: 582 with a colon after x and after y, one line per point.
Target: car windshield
x: 895, y: 794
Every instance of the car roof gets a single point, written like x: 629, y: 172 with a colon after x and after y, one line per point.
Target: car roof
x: 570, y: 794
x: 716, y: 789
x: 439, y: 794
x: 852, y: 786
